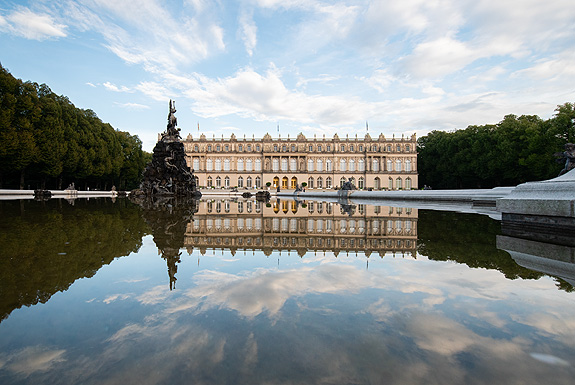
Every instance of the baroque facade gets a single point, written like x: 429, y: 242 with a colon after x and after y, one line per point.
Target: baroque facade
x: 378, y: 164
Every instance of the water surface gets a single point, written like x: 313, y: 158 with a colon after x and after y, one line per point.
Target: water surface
x: 243, y: 292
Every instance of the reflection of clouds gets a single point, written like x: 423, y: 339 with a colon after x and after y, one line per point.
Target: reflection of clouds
x: 550, y: 324
x: 115, y: 297
x: 266, y: 290
x: 32, y: 359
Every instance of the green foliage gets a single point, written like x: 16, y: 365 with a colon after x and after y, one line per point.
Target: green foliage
x: 49, y: 143
x: 516, y: 150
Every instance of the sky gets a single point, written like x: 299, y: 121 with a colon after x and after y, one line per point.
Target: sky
x: 252, y: 67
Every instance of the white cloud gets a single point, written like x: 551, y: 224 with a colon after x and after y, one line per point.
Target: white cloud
x: 134, y: 106
x: 33, y: 359
x: 248, y: 32
x: 35, y: 26
x: 112, y: 87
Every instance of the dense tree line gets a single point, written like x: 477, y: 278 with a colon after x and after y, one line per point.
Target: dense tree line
x: 516, y: 150
x: 46, y: 142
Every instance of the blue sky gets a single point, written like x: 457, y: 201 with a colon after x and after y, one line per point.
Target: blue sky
x: 317, y: 67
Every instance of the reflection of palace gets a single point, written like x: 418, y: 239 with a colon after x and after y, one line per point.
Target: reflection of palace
x: 379, y: 163
x: 313, y: 226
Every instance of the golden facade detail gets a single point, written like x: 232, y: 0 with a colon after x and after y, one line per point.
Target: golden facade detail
x: 378, y: 164
x: 309, y: 227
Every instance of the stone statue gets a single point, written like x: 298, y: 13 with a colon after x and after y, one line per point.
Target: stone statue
x: 348, y: 185
x: 172, y: 130
x: 569, y: 156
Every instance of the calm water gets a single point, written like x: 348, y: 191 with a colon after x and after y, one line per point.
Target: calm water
x: 103, y: 292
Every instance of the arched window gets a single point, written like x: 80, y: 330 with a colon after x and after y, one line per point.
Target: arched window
x: 310, y: 182
x: 293, y: 182
x: 361, y: 183
x: 408, y: 184
x: 218, y: 182
x: 360, y: 166
x: 227, y: 182
x: 319, y: 182
x: 328, y: 165
x: 342, y: 164
x: 226, y: 164
x: 258, y: 182
x: 377, y: 183
x: 328, y: 183
x: 398, y: 183
x: 351, y: 165
x: 249, y: 182
x: 240, y: 182
x: 390, y: 184
x: 240, y: 165
x: 249, y: 165
x: 408, y: 165
x: 375, y: 164
x: 293, y: 164
x: 310, y: 165
x: 285, y: 182
x: 218, y: 165
x: 319, y: 165
x: 258, y: 165
x: 398, y: 148
x: 341, y: 181
x: 398, y: 165
x: 209, y: 165
x: 389, y: 165
x: 284, y: 164
x: 276, y: 164
x: 196, y: 164
x: 209, y: 182
x: 276, y: 182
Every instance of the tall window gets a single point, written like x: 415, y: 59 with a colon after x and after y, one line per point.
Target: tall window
x: 328, y: 182
x: 408, y: 184
x: 407, y: 165
x: 227, y: 182
x: 398, y: 148
x: 240, y: 148
x: 328, y: 165
x: 218, y: 165
x: 310, y: 182
x: 361, y: 166
x: 351, y: 165
x: 390, y: 184
x: 240, y: 165
x: 226, y: 164
x: 319, y: 165
x: 249, y: 182
x: 360, y: 183
x: 196, y: 164
x: 249, y: 148
x: 319, y: 182
x: 342, y: 148
x: 240, y: 182
x: 293, y: 148
x: 249, y: 165
x: 210, y: 182
x: 377, y: 183
x: 389, y: 165
x: 276, y: 164
x: 342, y: 164
x: 398, y: 183
x: 293, y: 164
x: 209, y: 165
x: 258, y: 182
x: 341, y: 181
x: 398, y: 165
x: 351, y: 148
x: 310, y: 165
x: 218, y: 182
x: 284, y: 164
x: 258, y: 165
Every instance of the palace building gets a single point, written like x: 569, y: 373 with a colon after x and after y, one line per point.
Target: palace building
x: 378, y: 164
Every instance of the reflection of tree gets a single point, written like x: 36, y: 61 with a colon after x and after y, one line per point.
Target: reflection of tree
x: 468, y: 239
x: 168, y: 219
x: 46, y: 246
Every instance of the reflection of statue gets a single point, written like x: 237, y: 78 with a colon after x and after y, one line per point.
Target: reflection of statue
x: 569, y: 156
x: 168, y: 219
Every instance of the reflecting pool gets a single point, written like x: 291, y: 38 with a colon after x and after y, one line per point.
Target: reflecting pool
x: 285, y: 292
